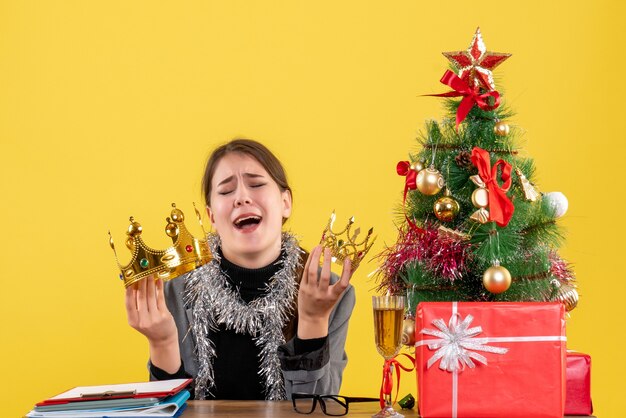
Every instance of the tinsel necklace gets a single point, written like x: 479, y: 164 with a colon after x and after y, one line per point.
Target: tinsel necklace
x: 214, y: 302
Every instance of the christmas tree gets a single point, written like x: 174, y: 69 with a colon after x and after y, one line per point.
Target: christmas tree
x: 473, y: 226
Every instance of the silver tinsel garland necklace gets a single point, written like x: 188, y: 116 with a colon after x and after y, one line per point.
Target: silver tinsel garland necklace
x: 214, y: 302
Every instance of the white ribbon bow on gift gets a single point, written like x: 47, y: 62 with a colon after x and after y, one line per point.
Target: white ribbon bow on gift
x: 456, y: 345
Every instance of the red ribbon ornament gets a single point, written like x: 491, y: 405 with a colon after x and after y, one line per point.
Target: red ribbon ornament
x: 500, y: 206
x: 403, y: 168
x: 471, y: 96
x: 387, y: 384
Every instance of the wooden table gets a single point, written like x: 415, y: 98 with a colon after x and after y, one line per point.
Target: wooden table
x: 254, y: 409
x: 250, y: 409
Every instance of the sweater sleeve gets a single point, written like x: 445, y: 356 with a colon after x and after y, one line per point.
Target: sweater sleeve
x: 319, y: 371
x: 157, y: 373
x: 307, y: 345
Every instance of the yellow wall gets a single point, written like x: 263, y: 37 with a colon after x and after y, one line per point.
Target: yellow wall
x: 109, y: 108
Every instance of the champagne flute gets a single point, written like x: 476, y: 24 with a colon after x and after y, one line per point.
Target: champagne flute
x: 388, y: 318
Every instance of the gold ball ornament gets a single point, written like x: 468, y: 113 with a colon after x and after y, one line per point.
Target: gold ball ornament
x: 446, y: 208
x: 429, y: 181
x: 408, y: 332
x: 567, y: 295
x: 501, y: 129
x: 496, y: 279
x: 417, y: 166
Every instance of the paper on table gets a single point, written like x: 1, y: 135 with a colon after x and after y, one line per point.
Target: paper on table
x: 161, y: 386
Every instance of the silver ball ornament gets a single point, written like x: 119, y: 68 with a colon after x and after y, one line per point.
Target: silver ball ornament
x: 558, y: 202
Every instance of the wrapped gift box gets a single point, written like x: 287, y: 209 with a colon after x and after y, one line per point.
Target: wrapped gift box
x: 578, y: 384
x: 490, y: 360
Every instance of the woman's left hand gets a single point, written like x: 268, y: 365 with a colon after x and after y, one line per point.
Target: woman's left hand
x: 317, y: 297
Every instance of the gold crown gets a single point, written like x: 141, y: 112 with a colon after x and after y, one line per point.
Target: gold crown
x: 346, y: 247
x: 186, y: 253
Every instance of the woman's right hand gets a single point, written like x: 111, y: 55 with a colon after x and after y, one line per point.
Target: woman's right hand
x: 147, y: 313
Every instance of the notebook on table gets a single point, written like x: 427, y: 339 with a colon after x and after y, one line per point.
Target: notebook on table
x: 157, y: 389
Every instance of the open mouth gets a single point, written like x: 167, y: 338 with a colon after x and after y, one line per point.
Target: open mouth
x: 247, y: 222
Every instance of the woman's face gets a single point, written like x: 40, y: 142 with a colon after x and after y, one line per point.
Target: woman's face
x: 247, y: 209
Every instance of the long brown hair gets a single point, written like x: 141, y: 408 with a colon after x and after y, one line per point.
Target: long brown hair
x: 275, y: 169
x: 290, y: 329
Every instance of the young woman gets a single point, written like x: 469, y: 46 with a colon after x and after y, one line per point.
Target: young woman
x: 261, y: 320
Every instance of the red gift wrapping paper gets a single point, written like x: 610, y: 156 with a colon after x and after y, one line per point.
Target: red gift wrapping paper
x: 578, y: 384
x: 527, y: 380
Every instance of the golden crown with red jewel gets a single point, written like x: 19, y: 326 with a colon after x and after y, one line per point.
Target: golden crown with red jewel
x: 186, y: 253
x: 344, y: 244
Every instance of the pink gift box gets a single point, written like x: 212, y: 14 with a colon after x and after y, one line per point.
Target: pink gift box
x: 578, y: 384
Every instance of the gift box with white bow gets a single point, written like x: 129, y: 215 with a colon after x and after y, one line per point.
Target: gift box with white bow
x: 490, y: 359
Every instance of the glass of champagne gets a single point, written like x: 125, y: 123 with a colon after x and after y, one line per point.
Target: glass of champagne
x: 388, y: 319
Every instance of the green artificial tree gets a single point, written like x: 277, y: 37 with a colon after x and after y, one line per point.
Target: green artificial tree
x: 473, y: 226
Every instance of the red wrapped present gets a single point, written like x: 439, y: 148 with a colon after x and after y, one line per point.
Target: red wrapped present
x: 578, y: 384
x: 490, y: 360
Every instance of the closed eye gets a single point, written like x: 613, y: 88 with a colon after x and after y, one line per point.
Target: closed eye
x: 257, y: 185
x: 224, y: 192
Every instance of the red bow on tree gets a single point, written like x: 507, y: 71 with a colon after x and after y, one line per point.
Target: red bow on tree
x: 500, y: 206
x: 471, y: 96
x: 403, y: 168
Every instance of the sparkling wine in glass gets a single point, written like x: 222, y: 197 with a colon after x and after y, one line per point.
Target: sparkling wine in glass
x: 388, y: 319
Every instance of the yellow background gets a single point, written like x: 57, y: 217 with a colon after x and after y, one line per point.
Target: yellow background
x: 109, y: 108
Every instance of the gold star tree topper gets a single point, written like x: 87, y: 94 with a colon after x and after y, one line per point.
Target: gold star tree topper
x: 475, y: 63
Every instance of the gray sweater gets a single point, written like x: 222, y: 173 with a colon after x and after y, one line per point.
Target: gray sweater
x: 319, y: 371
